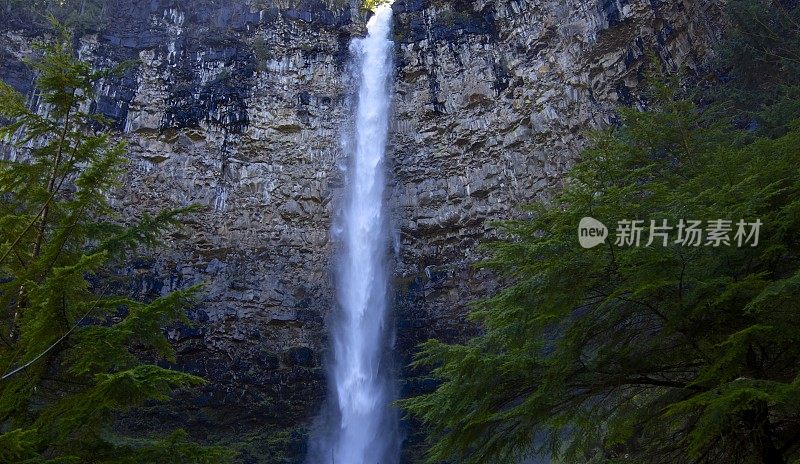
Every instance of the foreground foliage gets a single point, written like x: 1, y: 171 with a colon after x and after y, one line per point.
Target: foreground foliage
x: 649, y: 354
x: 69, y: 349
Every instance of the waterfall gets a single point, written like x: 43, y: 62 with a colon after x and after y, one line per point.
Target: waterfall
x: 362, y: 425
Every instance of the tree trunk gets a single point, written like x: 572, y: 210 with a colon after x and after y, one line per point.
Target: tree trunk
x: 758, y: 421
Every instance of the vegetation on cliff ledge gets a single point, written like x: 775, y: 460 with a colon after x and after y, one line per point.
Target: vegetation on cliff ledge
x: 81, y: 15
x: 371, y: 5
x: 649, y: 354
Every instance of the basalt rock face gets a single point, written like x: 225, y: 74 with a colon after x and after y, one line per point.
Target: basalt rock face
x: 242, y: 106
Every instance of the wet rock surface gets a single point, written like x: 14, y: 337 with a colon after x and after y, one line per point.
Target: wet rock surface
x: 241, y: 107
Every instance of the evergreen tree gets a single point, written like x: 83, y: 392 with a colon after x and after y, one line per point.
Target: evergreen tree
x: 70, y: 350
x: 762, y: 58
x: 641, y: 354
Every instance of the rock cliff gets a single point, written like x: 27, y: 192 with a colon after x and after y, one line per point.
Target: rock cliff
x: 240, y: 106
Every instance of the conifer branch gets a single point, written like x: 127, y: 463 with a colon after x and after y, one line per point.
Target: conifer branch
x: 77, y: 323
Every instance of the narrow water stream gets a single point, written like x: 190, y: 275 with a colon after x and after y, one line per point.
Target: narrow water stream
x: 367, y: 428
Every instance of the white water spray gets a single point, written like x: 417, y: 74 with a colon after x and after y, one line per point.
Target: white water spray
x: 365, y: 431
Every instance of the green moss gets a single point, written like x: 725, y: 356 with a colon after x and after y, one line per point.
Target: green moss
x: 449, y: 17
x: 261, y: 52
x: 268, y: 445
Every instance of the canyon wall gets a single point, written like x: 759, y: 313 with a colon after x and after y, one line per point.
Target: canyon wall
x: 241, y: 106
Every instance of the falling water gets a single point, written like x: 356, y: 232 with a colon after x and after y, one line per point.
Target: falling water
x: 365, y: 428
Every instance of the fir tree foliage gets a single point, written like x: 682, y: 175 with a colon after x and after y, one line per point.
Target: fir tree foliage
x: 648, y: 354
x: 70, y: 350
x: 762, y: 56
